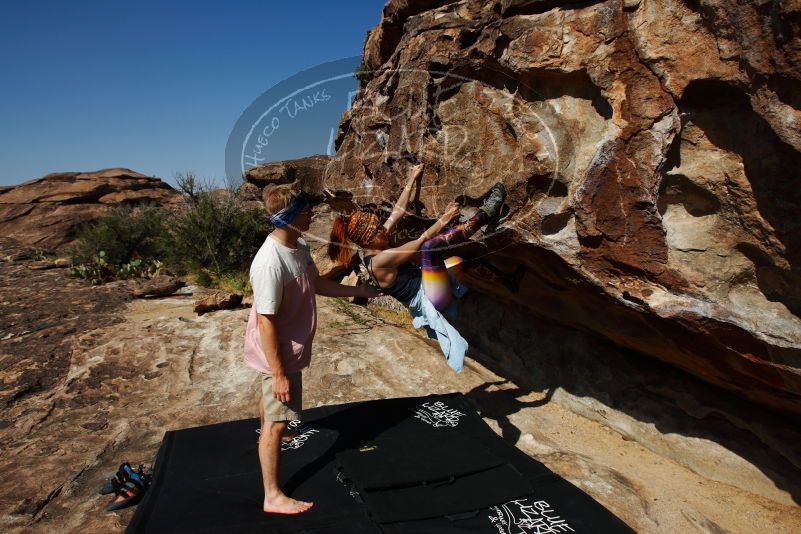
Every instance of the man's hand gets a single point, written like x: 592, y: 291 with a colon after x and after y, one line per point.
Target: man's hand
x: 368, y: 291
x: 329, y: 288
x: 281, y: 388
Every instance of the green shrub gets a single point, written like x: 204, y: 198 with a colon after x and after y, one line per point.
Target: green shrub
x: 212, y: 237
x: 140, y: 268
x: 123, y: 234
x: 97, y: 270
x: 124, y: 243
x: 238, y: 282
x: 362, y: 74
x: 216, y: 234
x: 40, y: 254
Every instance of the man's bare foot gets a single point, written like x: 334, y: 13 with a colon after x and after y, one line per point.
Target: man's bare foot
x: 281, y: 504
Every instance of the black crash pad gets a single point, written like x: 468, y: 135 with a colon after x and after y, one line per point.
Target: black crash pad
x: 395, y: 465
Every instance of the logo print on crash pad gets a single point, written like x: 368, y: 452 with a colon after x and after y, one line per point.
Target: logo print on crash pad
x: 304, y: 432
x: 437, y: 414
x: 527, y: 516
x: 342, y: 479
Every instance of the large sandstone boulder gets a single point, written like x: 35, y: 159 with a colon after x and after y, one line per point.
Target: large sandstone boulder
x: 651, y: 153
x: 46, y: 212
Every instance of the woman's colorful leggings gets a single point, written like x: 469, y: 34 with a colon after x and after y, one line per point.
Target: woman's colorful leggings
x: 436, y: 283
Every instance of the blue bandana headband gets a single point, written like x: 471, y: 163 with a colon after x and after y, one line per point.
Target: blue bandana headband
x: 288, y: 214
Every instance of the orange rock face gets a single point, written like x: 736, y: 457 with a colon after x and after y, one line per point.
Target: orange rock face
x: 651, y: 151
x: 46, y: 212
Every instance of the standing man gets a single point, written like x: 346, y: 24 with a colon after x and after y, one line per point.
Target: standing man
x: 280, y: 329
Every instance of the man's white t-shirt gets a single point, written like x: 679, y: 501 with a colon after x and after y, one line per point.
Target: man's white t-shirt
x: 283, y: 281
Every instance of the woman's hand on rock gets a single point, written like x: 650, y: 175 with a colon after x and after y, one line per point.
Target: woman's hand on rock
x: 416, y: 172
x: 450, y: 212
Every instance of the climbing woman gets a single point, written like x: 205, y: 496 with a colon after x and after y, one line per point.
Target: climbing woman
x: 415, y: 273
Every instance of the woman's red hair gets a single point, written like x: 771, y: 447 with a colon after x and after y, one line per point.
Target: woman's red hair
x: 338, y: 249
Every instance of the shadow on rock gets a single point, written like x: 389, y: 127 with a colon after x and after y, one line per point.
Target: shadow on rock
x: 497, y: 403
x: 730, y: 440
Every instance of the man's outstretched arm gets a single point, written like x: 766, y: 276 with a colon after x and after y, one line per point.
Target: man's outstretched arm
x: 329, y: 288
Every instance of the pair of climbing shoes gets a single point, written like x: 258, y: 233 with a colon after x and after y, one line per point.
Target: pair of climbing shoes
x: 128, y: 486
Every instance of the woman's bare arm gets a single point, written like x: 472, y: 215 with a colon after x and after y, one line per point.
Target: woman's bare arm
x: 392, y: 257
x: 403, y: 200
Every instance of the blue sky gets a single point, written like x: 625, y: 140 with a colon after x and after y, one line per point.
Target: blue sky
x: 153, y: 86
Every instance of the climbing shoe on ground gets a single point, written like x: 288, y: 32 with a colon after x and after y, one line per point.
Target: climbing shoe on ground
x: 494, y: 201
x: 114, y: 483
x: 130, y: 492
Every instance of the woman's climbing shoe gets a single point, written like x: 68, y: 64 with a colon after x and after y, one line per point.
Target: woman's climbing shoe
x: 114, y: 483
x: 497, y: 222
x: 494, y: 201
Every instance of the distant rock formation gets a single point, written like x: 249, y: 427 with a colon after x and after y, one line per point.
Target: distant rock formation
x: 651, y: 153
x: 46, y: 212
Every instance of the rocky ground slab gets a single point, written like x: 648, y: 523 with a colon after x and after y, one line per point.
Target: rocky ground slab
x: 134, y: 370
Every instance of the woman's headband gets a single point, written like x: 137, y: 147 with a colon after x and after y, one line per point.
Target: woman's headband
x: 362, y: 227
x: 287, y: 215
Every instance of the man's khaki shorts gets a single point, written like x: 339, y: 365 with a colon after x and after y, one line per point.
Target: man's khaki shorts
x: 275, y: 410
